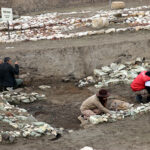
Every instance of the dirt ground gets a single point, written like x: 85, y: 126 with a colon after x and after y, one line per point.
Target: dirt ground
x: 61, y: 109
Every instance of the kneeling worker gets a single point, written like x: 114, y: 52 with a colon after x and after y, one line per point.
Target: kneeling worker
x: 101, y: 103
x: 141, y: 86
x: 9, y: 73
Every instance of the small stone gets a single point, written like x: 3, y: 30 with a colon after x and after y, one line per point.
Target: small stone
x: 38, y: 123
x: 21, y: 118
x: 70, y: 131
x: 100, y: 22
x: 0, y: 138
x: 44, y: 87
x: 121, y: 67
x: 106, y: 69
x: 111, y: 30
x: 98, y: 72
x: 117, y: 5
x: 1, y: 117
x: 41, y: 97
x: 23, y: 97
x: 90, y: 79
x: 32, y: 99
x: 138, y: 60
x: 11, y: 139
x: 114, y: 66
x: 87, y: 148
x: 25, y: 100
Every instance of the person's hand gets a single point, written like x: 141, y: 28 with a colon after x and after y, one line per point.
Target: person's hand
x: 16, y: 63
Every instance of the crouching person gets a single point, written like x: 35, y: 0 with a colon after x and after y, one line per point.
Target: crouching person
x: 9, y: 72
x: 141, y: 87
x: 100, y: 103
x: 95, y: 104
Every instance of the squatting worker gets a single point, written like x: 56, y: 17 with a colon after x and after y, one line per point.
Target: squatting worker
x: 101, y: 103
x: 95, y: 104
x: 9, y: 73
x: 141, y: 86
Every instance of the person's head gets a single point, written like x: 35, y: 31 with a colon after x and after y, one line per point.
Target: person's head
x: 102, y: 94
x: 7, y: 60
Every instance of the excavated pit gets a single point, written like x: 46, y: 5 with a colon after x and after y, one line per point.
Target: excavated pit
x: 62, y: 106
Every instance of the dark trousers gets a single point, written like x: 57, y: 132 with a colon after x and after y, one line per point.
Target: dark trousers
x: 148, y: 89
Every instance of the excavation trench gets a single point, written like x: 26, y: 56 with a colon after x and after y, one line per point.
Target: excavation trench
x: 61, y: 108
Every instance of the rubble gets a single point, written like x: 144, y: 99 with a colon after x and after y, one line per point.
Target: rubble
x: 20, y: 97
x: 115, y: 74
x: 23, y: 123
x: 52, y: 26
x: 119, y: 115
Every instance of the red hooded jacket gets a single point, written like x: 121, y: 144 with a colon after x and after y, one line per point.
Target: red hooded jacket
x: 138, y: 83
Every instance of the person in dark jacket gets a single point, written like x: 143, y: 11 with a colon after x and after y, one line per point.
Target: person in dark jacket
x: 9, y: 73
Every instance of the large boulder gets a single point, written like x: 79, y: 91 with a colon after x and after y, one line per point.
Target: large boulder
x: 118, y: 5
x: 100, y: 22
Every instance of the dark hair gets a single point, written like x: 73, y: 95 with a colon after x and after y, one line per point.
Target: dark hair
x: 103, y: 102
x: 147, y: 73
x: 6, y: 59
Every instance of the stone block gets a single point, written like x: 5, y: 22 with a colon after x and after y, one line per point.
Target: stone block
x: 118, y: 5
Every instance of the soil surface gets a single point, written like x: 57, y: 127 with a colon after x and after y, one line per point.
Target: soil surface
x: 61, y: 109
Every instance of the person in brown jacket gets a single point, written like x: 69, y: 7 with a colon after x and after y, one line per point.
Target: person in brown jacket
x: 101, y: 103
x: 95, y: 104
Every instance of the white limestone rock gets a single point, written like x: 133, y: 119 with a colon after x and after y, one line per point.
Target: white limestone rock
x: 100, y: 22
x: 111, y: 30
x: 98, y: 72
x: 87, y: 148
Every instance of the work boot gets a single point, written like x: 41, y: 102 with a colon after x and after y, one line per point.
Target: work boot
x: 139, y: 98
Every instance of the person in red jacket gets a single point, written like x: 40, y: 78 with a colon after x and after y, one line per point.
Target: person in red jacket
x: 141, y: 86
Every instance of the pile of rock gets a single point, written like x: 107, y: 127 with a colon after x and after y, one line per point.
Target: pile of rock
x: 23, y: 123
x: 119, y: 115
x: 52, y: 26
x: 116, y: 73
x: 20, y: 97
